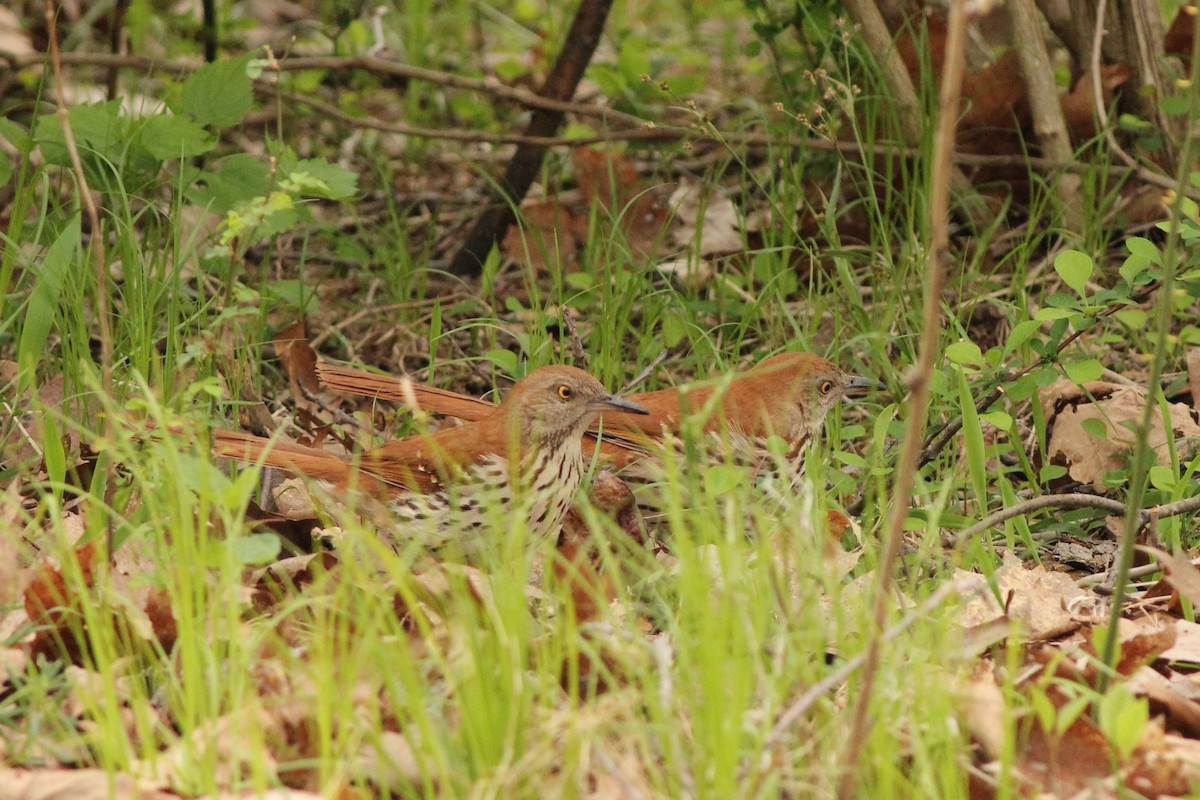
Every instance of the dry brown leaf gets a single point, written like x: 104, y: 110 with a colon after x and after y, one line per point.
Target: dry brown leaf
x: 1193, y: 372
x: 389, y: 763
x: 983, y: 704
x: 1116, y: 406
x: 709, y: 223
x: 75, y: 784
x: 1183, y: 712
x: 1180, y: 573
x: 1048, y: 603
x: 1186, y: 648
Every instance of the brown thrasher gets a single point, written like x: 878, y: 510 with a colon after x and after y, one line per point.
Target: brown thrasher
x: 786, y: 395
x: 452, y: 478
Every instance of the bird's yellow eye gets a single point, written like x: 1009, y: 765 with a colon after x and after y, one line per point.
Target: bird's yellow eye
x: 825, y: 387
x: 565, y: 391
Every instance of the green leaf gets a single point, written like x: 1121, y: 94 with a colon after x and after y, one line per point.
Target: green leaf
x: 318, y: 178
x: 965, y: 352
x: 218, y: 94
x: 1163, y: 478
x: 1095, y: 428
x: 168, y: 137
x: 722, y: 479
x: 1051, y: 472
x: 1083, y: 371
x: 1075, y: 268
x: 1144, y: 248
x: 230, y: 183
x: 1000, y: 419
x: 1132, y: 318
x: 1048, y: 313
x: 255, y: 548
x: 1021, y: 333
x: 62, y: 259
x: 504, y: 360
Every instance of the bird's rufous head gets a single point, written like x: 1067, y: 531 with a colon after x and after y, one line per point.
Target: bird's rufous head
x: 797, y: 390
x: 554, y: 402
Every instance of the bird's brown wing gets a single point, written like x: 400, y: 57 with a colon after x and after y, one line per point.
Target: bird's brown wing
x: 402, y: 390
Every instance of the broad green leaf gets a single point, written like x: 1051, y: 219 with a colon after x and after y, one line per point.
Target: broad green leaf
x: 230, y: 183
x: 1051, y: 472
x: 1021, y: 333
x: 1144, y: 248
x: 965, y: 352
x: 1048, y: 313
x: 1000, y: 419
x: 218, y: 94
x: 255, y: 548
x: 1162, y: 477
x: 1095, y: 428
x: 1075, y: 268
x: 1132, y: 317
x: 169, y: 137
x: 1133, y: 268
x: 504, y: 360
x: 61, y: 260
x: 722, y: 479
x: 1083, y: 371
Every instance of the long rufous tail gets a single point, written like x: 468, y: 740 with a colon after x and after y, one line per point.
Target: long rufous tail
x: 283, y: 455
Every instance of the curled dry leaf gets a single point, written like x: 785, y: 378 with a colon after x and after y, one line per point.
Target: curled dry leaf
x: 1117, y: 408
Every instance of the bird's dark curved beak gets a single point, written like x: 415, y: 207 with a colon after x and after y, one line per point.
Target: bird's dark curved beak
x: 614, y: 402
x: 858, y: 386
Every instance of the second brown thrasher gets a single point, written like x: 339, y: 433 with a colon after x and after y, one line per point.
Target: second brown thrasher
x: 526, y: 451
x: 786, y: 395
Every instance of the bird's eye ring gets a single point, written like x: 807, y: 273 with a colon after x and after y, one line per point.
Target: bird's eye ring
x: 565, y: 391
x: 825, y: 387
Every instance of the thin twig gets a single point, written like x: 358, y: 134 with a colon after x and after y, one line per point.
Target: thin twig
x: 96, y: 240
x: 1037, y: 504
x: 636, y: 380
x: 574, y: 342
x: 918, y: 380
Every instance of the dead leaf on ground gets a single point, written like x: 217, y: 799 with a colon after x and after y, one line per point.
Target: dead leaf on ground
x: 1069, y: 407
x: 1048, y: 603
x: 709, y: 221
x: 1193, y: 372
x: 75, y: 784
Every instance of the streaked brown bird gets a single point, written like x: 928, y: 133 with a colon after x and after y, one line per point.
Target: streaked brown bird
x: 786, y: 395
x: 526, y: 451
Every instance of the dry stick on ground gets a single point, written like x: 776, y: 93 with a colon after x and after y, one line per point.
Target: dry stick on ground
x: 560, y: 84
x: 1048, y: 123
x: 918, y: 380
x: 1143, y: 517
